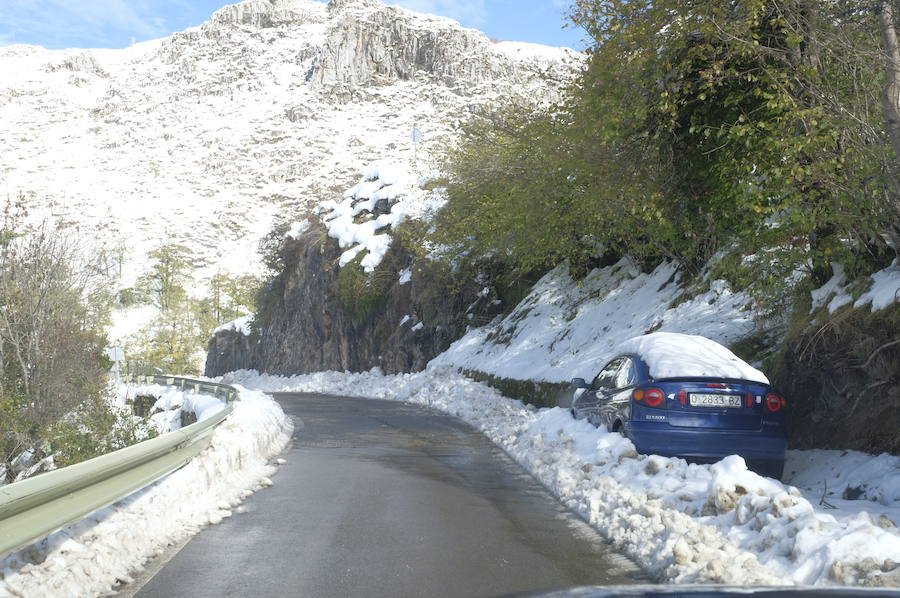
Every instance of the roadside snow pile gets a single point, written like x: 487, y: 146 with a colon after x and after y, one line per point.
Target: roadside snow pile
x: 685, y: 523
x: 850, y: 479
x: 90, y: 557
x: 672, y: 355
x: 566, y: 328
x: 386, y: 196
x: 171, y: 402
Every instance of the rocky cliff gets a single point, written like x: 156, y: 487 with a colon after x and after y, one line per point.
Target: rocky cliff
x: 324, y: 313
x: 320, y: 316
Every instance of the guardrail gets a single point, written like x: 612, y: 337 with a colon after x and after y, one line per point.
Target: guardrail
x: 36, y: 507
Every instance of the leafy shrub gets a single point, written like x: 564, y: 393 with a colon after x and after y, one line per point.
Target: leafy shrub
x: 363, y: 294
x: 94, y: 428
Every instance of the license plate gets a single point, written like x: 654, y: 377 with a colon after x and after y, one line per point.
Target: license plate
x: 710, y: 400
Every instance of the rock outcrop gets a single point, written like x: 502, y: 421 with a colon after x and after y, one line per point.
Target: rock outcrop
x: 318, y: 319
x: 370, y: 43
x: 270, y: 13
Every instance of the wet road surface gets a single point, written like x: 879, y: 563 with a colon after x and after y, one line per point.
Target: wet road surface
x: 380, y: 498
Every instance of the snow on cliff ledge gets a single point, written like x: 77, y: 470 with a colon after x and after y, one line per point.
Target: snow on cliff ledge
x: 386, y: 196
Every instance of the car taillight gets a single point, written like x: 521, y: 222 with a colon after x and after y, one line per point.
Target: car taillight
x: 774, y: 402
x: 682, y: 396
x: 654, y: 397
x: 749, y: 402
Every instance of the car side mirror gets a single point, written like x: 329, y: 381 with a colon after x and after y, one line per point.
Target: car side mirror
x: 579, y: 383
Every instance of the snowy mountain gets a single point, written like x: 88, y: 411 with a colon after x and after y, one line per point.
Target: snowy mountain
x: 269, y: 108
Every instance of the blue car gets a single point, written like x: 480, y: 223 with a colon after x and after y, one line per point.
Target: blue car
x: 665, y: 393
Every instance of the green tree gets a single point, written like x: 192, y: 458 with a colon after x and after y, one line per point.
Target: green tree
x: 175, y: 340
x: 694, y: 126
x: 512, y: 193
x: 756, y: 117
x: 172, y: 340
x: 53, y: 308
x: 164, y: 285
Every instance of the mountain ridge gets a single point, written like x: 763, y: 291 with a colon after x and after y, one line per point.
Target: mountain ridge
x: 210, y: 136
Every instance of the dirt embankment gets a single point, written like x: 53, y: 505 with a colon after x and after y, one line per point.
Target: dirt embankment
x: 841, y: 373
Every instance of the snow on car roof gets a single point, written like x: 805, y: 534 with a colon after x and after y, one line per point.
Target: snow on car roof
x: 672, y: 355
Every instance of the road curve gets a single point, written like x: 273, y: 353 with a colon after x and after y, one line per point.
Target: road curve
x: 380, y: 498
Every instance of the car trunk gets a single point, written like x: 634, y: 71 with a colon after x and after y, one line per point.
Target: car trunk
x: 701, y: 403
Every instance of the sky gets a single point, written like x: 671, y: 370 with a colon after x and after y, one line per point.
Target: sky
x: 58, y: 24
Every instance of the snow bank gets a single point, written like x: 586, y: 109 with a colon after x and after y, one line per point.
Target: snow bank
x: 834, y: 475
x: 566, y: 328
x: 672, y: 355
x: 390, y: 185
x: 885, y: 289
x: 171, y: 402
x: 685, y: 523
x: 92, y: 556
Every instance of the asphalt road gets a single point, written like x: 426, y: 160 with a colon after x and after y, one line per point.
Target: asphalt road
x: 380, y: 498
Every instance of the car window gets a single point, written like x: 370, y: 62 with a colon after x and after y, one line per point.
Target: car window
x: 608, y: 376
x: 626, y: 375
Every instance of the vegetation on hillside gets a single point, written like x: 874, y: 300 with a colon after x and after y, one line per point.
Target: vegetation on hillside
x: 757, y: 127
x: 54, y: 305
x: 184, y: 320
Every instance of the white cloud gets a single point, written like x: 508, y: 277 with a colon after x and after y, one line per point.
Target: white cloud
x: 471, y: 13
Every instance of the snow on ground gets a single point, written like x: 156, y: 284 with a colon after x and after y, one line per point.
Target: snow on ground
x: 884, y: 290
x: 566, y: 328
x: 685, y: 523
x: 90, y: 557
x: 850, y: 481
